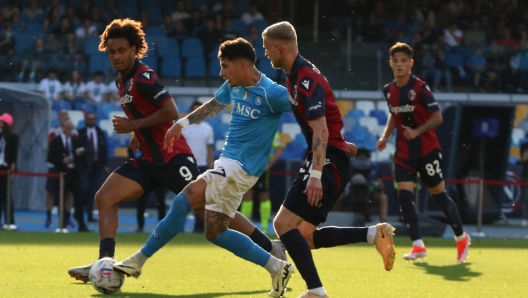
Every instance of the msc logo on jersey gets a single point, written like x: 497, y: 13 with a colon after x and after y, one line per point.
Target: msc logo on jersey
x: 126, y: 99
x: 246, y: 111
x: 258, y: 100
x: 411, y: 95
x: 402, y: 109
x: 130, y: 84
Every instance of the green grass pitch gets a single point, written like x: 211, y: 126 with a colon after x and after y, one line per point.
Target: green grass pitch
x: 35, y: 265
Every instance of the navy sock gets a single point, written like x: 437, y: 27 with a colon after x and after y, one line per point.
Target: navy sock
x: 300, y: 253
x: 48, y: 214
x: 335, y: 236
x: 107, y: 248
x: 408, y: 212
x: 261, y: 240
x: 450, y: 211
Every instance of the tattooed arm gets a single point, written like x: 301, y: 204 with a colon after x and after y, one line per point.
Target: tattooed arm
x: 314, y: 187
x: 319, y: 142
x: 435, y: 120
x: 206, y: 111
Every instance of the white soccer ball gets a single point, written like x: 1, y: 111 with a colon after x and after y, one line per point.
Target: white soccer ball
x: 103, y: 277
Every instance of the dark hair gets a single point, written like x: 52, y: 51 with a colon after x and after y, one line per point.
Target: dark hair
x: 401, y: 47
x: 6, y: 131
x: 125, y: 28
x: 236, y: 49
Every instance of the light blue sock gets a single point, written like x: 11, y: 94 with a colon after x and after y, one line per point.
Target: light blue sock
x: 169, y: 226
x: 242, y: 246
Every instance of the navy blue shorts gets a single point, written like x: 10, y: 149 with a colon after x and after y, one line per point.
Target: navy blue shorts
x: 429, y: 167
x: 335, y: 177
x: 175, y: 175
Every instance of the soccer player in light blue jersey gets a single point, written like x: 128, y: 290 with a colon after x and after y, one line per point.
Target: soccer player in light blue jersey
x: 257, y: 106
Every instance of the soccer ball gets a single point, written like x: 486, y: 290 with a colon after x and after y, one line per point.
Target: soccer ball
x: 103, y: 277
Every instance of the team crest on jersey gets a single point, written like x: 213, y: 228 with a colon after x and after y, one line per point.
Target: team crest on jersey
x: 258, y: 100
x: 129, y: 84
x: 411, y: 95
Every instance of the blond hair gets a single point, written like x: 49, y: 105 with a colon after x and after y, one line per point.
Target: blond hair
x: 283, y: 31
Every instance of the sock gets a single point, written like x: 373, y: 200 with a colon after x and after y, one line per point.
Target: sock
x: 300, y: 253
x: 450, y: 211
x: 265, y: 213
x: 461, y: 237
x: 48, y: 214
x: 419, y: 243
x: 169, y: 226
x: 318, y: 291
x: 335, y: 236
x: 106, y: 248
x: 246, y: 208
x: 140, y: 257
x: 408, y: 212
x: 371, y: 234
x: 261, y: 240
x: 242, y: 246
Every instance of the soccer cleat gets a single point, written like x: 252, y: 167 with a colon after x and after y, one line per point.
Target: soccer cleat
x: 129, y: 267
x: 463, y: 247
x: 278, y: 250
x: 280, y: 279
x: 80, y: 273
x: 312, y: 295
x: 417, y: 252
x: 385, y: 244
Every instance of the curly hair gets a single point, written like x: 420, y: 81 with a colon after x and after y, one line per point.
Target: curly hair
x: 125, y: 28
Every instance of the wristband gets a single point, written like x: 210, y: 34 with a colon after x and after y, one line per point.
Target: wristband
x: 315, y: 174
x: 184, y: 122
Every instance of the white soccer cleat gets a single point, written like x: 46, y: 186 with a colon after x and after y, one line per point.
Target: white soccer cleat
x: 129, y: 267
x: 278, y: 250
x: 417, y: 252
x: 80, y: 273
x: 279, y: 281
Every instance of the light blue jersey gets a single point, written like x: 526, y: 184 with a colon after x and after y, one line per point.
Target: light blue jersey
x: 255, y: 118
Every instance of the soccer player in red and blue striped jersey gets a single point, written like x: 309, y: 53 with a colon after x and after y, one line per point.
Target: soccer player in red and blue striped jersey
x: 414, y: 113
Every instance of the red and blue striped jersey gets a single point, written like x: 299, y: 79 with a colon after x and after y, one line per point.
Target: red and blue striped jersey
x: 412, y: 105
x: 311, y: 98
x: 141, y: 94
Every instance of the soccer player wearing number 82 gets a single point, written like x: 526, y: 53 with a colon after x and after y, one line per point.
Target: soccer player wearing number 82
x: 414, y: 113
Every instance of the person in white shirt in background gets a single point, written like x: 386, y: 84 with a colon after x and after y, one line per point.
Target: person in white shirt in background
x: 74, y: 88
x: 113, y: 92
x: 51, y: 87
x: 96, y: 89
x: 200, y: 137
x: 252, y: 15
x: 453, y: 35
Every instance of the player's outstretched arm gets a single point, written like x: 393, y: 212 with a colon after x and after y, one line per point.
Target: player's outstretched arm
x: 389, y: 128
x: 205, y: 111
x: 167, y: 112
